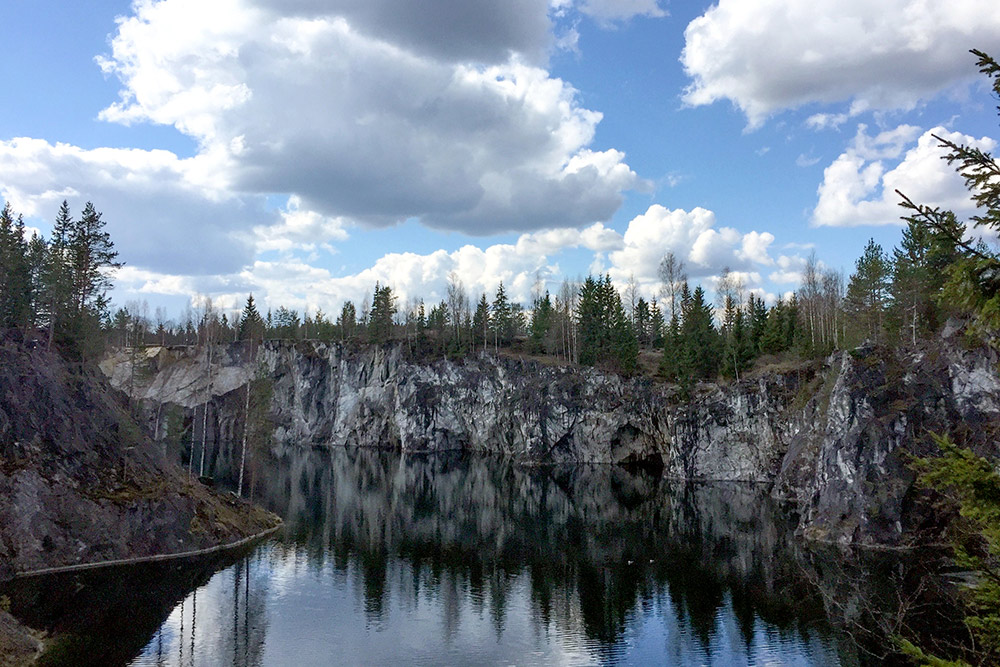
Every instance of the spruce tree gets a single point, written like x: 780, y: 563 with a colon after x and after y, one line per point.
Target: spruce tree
x: 503, y: 317
x: 382, y: 313
x: 251, y: 323
x: 542, y: 315
x: 15, y: 272
x: 700, y: 345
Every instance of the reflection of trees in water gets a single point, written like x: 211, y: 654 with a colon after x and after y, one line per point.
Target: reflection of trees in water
x: 175, y: 609
x: 595, y: 542
x: 223, y: 622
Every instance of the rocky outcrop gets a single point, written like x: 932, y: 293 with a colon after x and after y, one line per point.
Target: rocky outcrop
x: 79, y: 481
x: 832, y: 439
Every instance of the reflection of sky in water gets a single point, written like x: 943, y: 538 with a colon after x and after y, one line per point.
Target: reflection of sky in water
x: 389, y: 560
x: 305, y: 613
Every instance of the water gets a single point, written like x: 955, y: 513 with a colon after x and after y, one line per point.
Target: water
x: 388, y: 559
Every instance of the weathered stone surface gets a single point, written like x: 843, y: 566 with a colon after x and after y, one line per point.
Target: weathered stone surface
x: 81, y: 483
x: 832, y: 438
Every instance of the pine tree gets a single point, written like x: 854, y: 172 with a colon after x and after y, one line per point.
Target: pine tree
x: 670, y: 365
x: 589, y: 322
x: 92, y: 254
x: 656, y: 325
x: 868, y: 291
x: 912, y: 306
x: 643, y: 322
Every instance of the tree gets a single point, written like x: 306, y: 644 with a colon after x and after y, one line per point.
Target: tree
x: 672, y: 276
x: 912, y: 305
x: 972, y: 284
x: 973, y: 278
x: 972, y: 484
x: 481, y: 321
x: 92, y: 256
x: 382, y: 313
x: 868, y: 291
x: 542, y: 316
x: 347, y: 320
x: 503, y: 318
x: 15, y: 272
x: 458, y: 305
x: 251, y: 323
x: 606, y: 332
x: 57, y: 279
x: 700, y: 346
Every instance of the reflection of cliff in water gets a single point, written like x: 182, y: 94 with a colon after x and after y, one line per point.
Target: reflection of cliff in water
x: 594, y: 540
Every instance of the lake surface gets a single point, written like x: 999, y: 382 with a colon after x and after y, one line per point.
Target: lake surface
x: 389, y: 559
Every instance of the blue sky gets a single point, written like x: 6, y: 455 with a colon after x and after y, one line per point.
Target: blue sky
x: 305, y: 149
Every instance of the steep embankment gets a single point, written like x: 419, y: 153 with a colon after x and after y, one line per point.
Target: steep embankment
x: 81, y: 483
x: 832, y: 439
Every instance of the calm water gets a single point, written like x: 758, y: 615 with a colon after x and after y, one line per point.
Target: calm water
x: 388, y: 559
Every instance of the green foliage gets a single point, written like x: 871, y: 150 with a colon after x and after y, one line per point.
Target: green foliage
x: 481, y: 322
x: 347, y: 321
x: 15, y: 272
x: 606, y: 334
x: 542, y: 319
x: 973, y: 277
x: 700, y: 343
x: 502, y: 317
x: 251, y: 323
x: 868, y: 291
x: 972, y: 484
x: 383, y: 310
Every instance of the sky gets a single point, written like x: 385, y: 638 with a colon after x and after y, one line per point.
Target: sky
x: 304, y: 149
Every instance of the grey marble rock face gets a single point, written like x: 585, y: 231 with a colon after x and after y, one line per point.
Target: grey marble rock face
x: 829, y: 438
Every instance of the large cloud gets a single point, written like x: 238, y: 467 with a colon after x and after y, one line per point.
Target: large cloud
x: 483, y: 31
x: 774, y: 54
x: 364, y: 119
x: 693, y: 238
x: 859, y: 187
x: 161, y: 211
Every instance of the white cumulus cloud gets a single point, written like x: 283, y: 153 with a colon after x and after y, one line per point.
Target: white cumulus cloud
x: 768, y: 55
x: 365, y: 114
x: 859, y: 187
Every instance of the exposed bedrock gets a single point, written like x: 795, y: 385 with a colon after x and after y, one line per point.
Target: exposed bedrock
x: 832, y: 438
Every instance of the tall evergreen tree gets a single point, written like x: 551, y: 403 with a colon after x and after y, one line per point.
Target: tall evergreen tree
x: 15, y: 272
x: 251, y: 323
x: 382, y: 313
x: 656, y: 325
x: 542, y: 316
x: 912, y: 305
x: 347, y: 321
x: 700, y: 346
x: 481, y: 322
x: 868, y: 291
x: 503, y: 317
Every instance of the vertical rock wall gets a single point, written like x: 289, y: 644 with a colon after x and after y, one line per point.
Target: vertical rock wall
x: 832, y: 439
